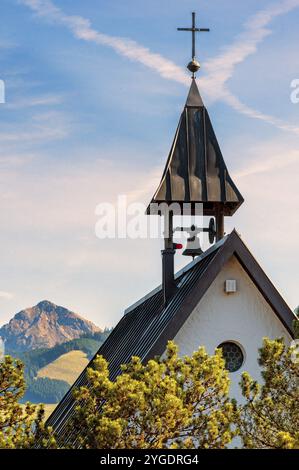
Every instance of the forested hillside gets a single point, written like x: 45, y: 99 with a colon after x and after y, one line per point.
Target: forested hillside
x: 49, y: 390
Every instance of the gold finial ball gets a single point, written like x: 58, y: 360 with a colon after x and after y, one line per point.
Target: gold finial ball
x: 193, y: 66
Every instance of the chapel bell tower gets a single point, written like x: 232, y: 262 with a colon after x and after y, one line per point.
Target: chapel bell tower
x: 195, y: 173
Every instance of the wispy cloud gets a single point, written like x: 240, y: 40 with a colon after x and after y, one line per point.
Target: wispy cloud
x: 35, y: 101
x: 58, y: 187
x: 14, y: 160
x: 6, y: 295
x: 268, y: 157
x: 219, y: 69
x: 82, y: 29
x: 4, y: 44
x: 43, y: 127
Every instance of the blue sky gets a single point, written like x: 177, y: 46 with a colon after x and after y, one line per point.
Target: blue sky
x: 94, y: 90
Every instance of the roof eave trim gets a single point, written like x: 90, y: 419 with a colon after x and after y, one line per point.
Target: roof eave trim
x: 233, y: 246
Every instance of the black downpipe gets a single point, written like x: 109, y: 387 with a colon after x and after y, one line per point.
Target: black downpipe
x: 168, y: 283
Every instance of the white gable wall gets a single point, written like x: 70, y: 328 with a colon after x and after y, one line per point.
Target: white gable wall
x: 243, y: 317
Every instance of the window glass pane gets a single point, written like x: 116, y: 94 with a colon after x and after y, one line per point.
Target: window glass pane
x: 233, y: 356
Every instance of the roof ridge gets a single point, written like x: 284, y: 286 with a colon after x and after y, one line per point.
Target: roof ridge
x: 177, y: 275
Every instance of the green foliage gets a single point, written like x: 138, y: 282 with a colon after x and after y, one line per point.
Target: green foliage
x: 170, y: 402
x: 38, y: 358
x: 45, y: 390
x: 19, y: 426
x: 50, y: 390
x: 270, y: 416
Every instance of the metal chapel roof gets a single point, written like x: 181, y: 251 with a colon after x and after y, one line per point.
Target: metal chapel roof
x: 145, y: 329
x: 195, y: 171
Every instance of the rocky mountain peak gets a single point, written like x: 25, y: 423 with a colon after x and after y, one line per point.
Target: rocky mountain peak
x: 43, y: 326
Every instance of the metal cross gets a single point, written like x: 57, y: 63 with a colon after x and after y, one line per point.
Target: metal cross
x: 194, y: 30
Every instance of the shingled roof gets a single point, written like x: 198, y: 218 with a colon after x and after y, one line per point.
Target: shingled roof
x: 146, y: 327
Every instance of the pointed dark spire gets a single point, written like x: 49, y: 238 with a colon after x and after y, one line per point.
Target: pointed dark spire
x: 194, y: 98
x: 195, y: 171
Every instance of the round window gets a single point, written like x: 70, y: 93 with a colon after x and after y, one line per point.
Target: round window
x: 233, y: 356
